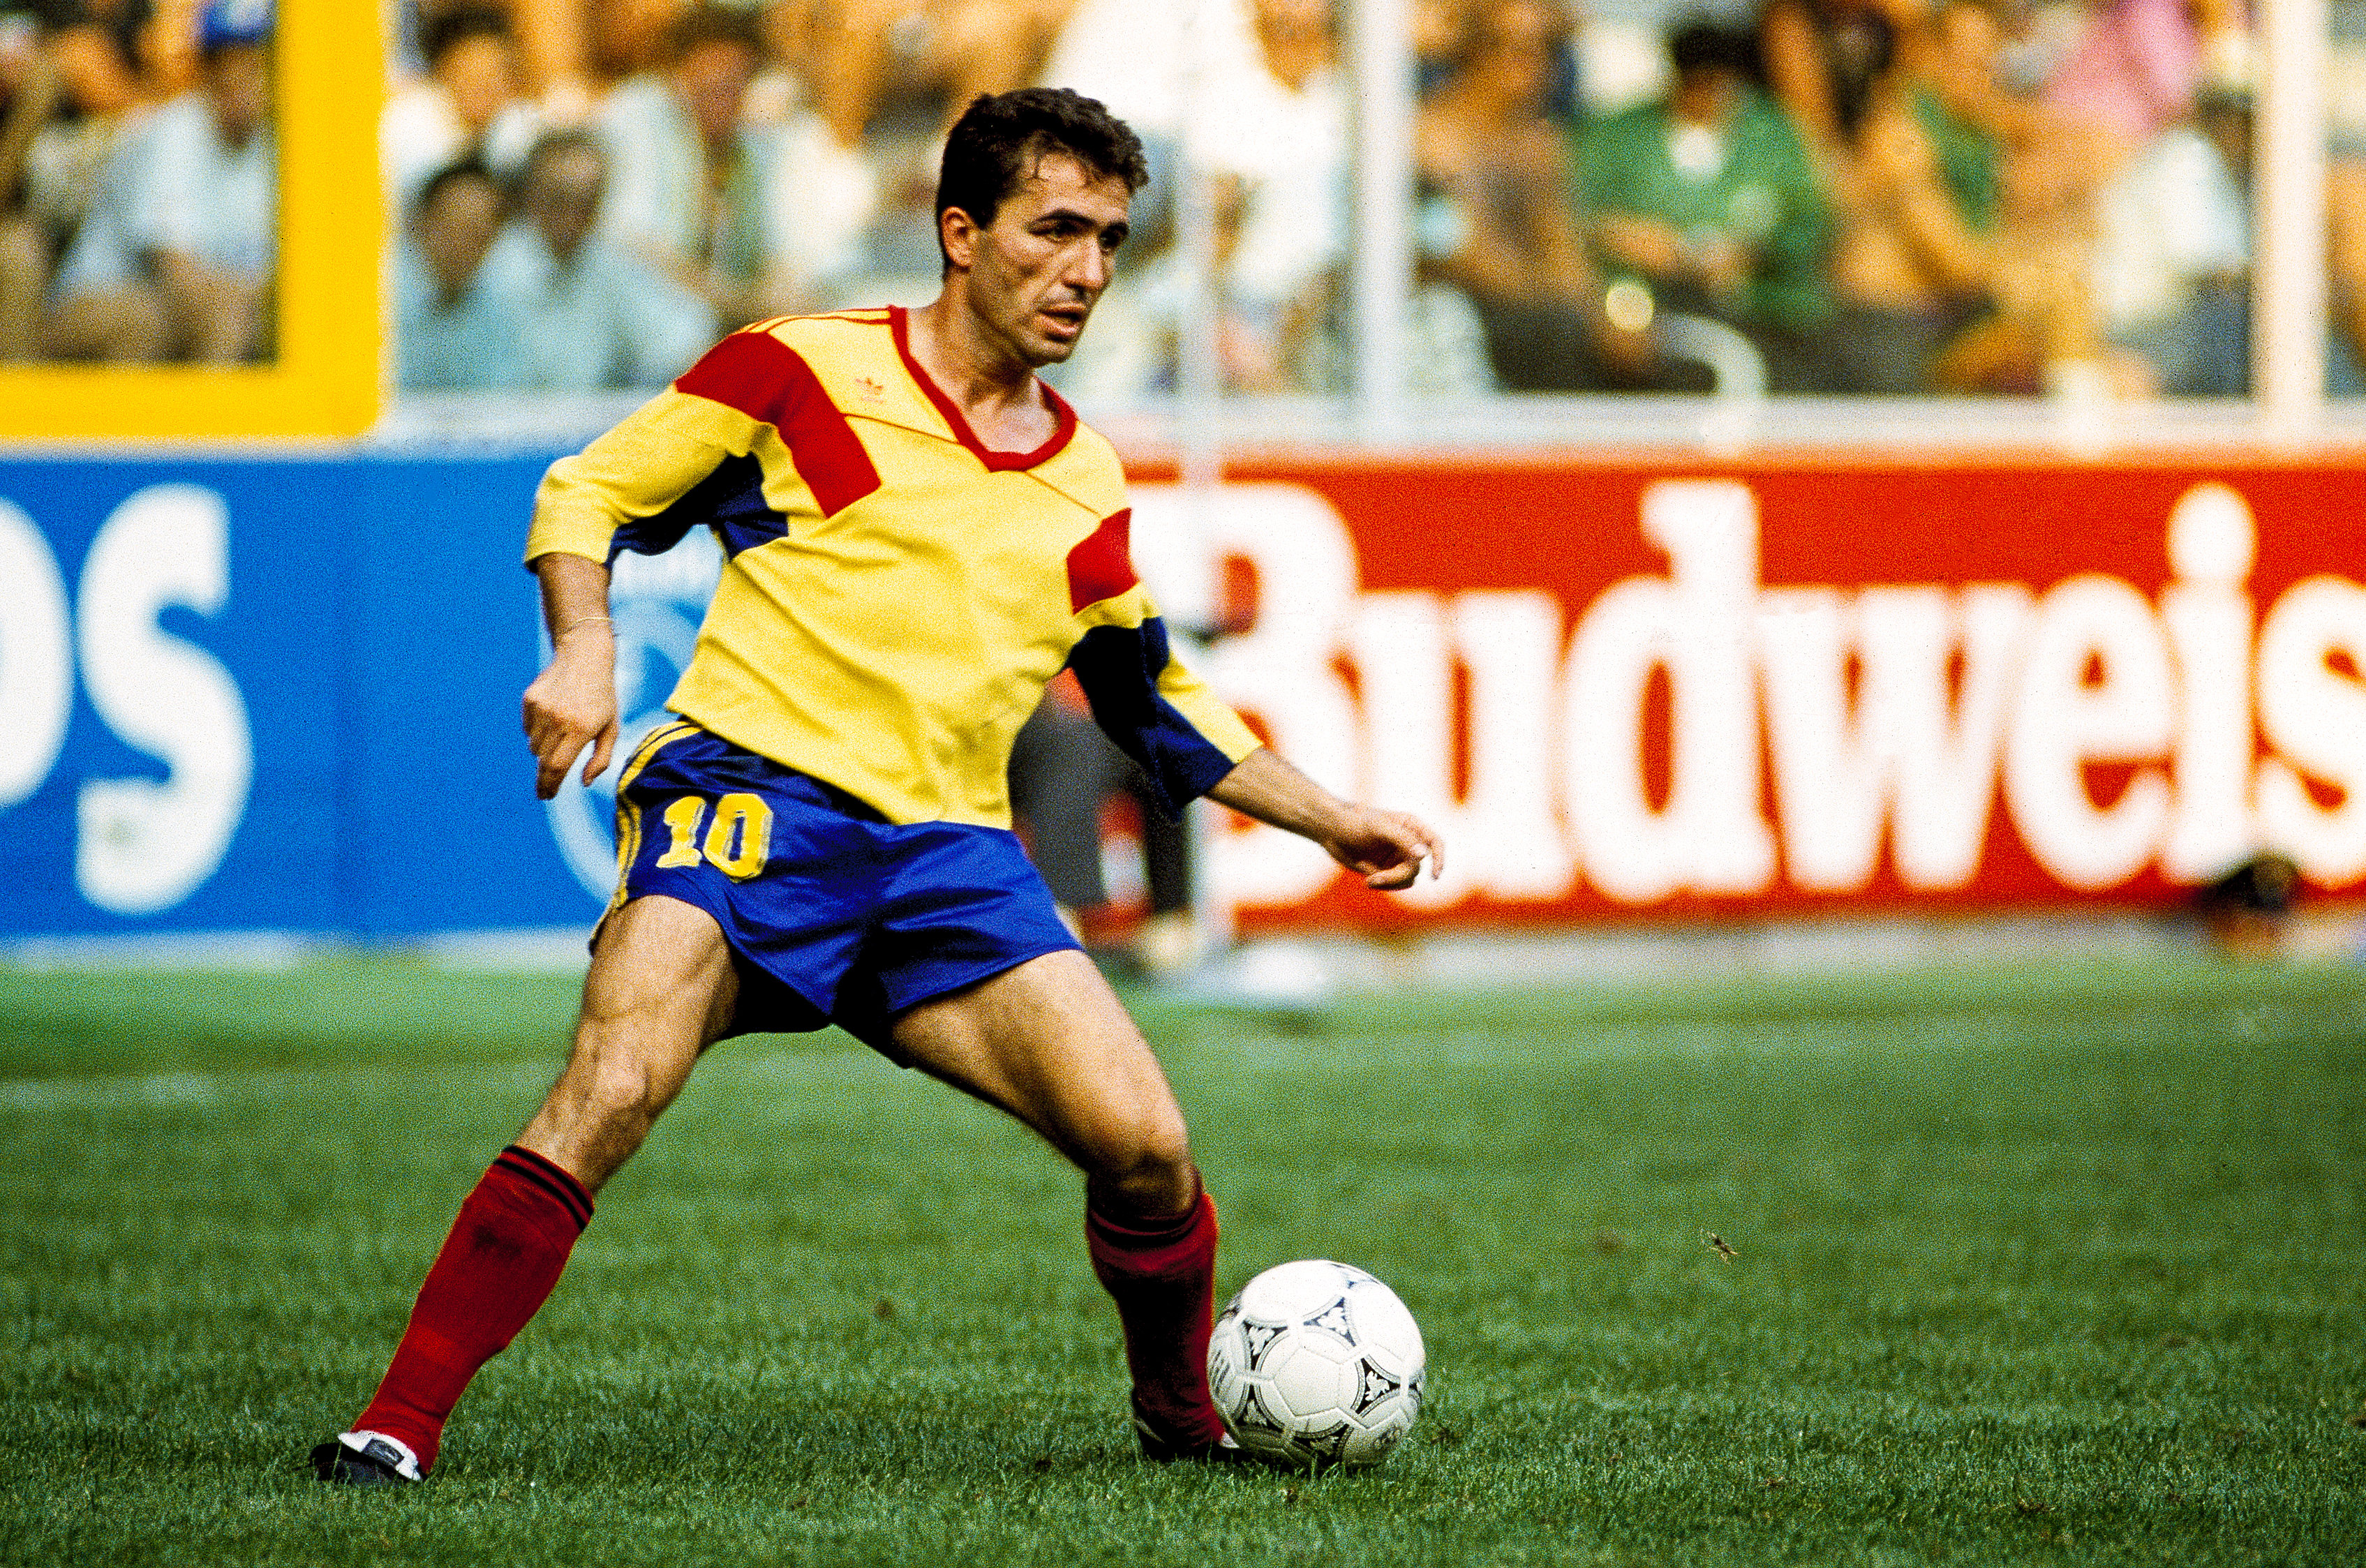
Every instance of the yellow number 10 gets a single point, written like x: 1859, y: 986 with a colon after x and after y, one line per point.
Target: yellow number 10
x: 736, y: 845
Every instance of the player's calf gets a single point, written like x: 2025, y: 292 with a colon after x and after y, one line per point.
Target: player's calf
x: 497, y: 1266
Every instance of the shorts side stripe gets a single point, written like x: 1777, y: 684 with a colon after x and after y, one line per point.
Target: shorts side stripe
x: 628, y: 816
x: 649, y: 748
x: 628, y: 849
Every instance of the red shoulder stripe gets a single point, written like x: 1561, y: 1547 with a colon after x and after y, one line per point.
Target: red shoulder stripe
x: 770, y: 382
x: 1101, y: 565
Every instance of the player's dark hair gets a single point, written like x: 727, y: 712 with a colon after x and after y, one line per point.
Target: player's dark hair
x: 447, y: 176
x: 702, y: 24
x: 446, y: 30
x: 1001, y: 137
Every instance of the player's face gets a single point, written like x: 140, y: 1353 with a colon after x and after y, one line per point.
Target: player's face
x: 1037, y: 270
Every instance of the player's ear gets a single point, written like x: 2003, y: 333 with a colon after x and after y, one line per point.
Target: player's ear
x: 959, y: 231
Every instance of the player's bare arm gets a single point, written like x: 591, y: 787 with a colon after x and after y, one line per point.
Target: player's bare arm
x: 1386, y: 848
x: 572, y: 704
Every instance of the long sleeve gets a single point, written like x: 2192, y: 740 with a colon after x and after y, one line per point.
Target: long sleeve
x: 688, y: 458
x: 1160, y: 713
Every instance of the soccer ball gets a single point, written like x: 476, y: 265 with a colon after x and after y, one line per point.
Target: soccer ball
x: 1315, y: 1365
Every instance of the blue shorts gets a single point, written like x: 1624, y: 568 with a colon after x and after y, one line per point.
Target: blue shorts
x: 834, y: 914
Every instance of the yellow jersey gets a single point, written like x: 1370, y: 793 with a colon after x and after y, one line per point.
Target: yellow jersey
x: 895, y: 594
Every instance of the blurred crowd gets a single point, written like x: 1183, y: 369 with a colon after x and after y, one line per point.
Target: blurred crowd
x: 139, y: 180
x: 1824, y: 195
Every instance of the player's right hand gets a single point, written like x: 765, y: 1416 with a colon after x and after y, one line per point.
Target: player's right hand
x: 1387, y: 849
x: 571, y: 705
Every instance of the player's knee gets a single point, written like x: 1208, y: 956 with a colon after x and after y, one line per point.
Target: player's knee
x: 622, y: 1094
x: 1167, y: 1147
x: 1144, y: 1164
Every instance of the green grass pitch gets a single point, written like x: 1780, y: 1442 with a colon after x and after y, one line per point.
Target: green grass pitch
x: 2063, y: 1264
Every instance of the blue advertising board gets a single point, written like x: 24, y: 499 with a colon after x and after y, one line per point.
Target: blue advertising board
x: 284, y: 695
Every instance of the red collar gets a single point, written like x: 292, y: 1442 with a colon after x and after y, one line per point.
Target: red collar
x: 996, y: 462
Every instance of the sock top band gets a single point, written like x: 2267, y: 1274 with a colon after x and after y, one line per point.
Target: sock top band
x: 551, y: 1178
x: 1142, y: 1232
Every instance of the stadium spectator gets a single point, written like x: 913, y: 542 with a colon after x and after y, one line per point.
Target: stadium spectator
x: 466, y: 109
x: 1496, y: 216
x: 826, y: 193
x: 2344, y: 200
x: 1824, y: 59
x: 1438, y: 30
x: 1952, y: 90
x: 1280, y: 131
x: 867, y: 55
x: 1274, y: 133
x: 1707, y: 198
x: 689, y: 180
x: 1436, y: 34
x: 176, y: 257
x: 625, y: 38
x: 588, y: 314
x: 1149, y: 304
x: 1143, y: 57
x: 29, y: 76
x: 80, y: 77
x: 2042, y: 334
x: 2222, y: 304
x: 2132, y: 73
x: 1916, y: 249
x: 2172, y: 263
x: 112, y: 56
x: 554, y: 56
x: 451, y: 335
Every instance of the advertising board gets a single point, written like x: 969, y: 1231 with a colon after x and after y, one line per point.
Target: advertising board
x: 283, y: 694
x: 1631, y: 689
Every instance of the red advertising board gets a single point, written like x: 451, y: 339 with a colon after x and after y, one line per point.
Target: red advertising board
x: 1632, y: 689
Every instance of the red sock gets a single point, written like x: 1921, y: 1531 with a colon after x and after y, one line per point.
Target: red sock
x: 497, y: 1267
x: 1162, y: 1274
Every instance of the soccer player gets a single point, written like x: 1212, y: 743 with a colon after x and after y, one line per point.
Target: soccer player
x: 919, y: 536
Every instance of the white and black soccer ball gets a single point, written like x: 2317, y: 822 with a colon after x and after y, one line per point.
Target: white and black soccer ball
x: 1316, y: 1365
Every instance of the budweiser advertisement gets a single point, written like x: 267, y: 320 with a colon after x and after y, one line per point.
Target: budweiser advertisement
x: 1639, y: 691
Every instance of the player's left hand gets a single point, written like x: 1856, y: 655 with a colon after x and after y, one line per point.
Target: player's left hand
x: 570, y: 706
x: 1388, y: 849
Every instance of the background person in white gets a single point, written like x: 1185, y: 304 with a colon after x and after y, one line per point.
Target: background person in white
x: 689, y: 177
x: 451, y: 335
x: 467, y: 106
x: 588, y: 316
x: 175, y: 258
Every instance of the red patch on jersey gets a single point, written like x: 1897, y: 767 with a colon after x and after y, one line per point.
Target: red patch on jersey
x: 769, y: 381
x: 1101, y: 565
